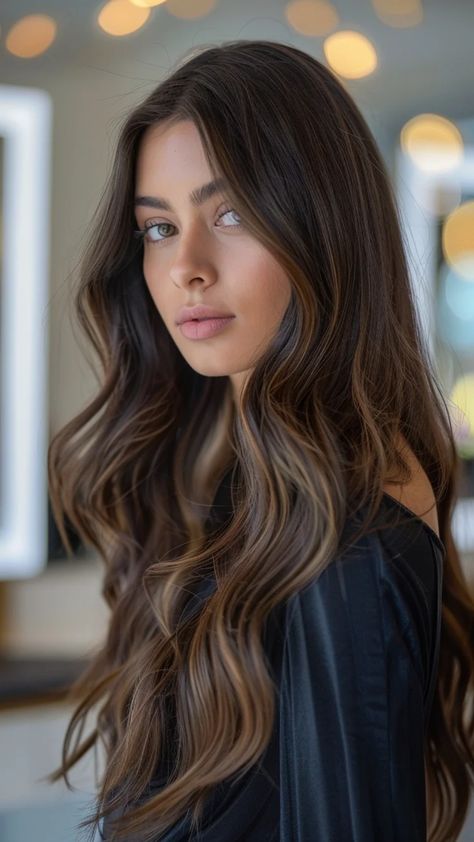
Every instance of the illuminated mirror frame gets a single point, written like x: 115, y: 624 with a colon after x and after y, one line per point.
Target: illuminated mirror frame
x: 416, y: 191
x: 25, y: 127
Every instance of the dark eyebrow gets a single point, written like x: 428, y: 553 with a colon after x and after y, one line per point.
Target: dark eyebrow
x: 197, y: 197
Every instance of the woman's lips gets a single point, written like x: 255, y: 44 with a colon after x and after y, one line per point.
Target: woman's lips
x: 204, y: 328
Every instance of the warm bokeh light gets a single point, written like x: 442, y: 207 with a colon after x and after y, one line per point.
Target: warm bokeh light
x: 350, y: 54
x: 463, y: 398
x: 120, y: 17
x: 188, y: 11
x: 433, y: 142
x: 399, y: 13
x: 311, y: 17
x: 457, y: 240
x: 31, y: 36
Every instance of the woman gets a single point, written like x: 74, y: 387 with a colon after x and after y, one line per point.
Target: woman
x: 289, y: 653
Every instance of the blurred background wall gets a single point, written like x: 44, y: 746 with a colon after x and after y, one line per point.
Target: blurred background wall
x: 409, y: 67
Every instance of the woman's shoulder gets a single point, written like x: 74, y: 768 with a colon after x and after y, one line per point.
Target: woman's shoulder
x: 398, y: 559
x: 358, y: 677
x: 417, y: 494
x: 402, y: 547
x: 378, y: 602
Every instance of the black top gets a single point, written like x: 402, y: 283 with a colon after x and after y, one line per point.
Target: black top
x: 355, y: 656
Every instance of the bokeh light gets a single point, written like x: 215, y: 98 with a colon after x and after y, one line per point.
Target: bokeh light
x: 120, y: 17
x: 350, y: 54
x: 31, y: 36
x: 312, y: 17
x: 433, y: 142
x: 457, y: 240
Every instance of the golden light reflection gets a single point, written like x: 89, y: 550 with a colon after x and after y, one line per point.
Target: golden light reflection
x: 311, y: 17
x: 433, y: 142
x: 120, y: 17
x: 457, y: 240
x: 31, y: 36
x: 350, y: 54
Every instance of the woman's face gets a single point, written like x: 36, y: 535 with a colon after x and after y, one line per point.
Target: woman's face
x: 201, y: 255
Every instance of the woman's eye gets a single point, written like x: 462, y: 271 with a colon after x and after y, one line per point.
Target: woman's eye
x: 156, y: 237
x: 231, y: 210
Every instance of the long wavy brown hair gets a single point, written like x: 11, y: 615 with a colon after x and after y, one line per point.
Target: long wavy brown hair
x: 312, y: 439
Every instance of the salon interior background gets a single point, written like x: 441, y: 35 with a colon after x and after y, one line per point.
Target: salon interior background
x: 69, y: 71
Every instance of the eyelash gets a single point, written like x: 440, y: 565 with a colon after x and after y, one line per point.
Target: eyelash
x: 142, y: 232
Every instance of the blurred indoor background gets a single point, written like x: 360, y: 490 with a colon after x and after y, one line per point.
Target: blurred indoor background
x: 69, y: 73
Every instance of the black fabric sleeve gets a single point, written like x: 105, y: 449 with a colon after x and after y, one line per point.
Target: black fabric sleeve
x: 358, y: 673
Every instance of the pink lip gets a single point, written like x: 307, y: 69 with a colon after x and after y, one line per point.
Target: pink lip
x: 205, y: 328
x: 200, y: 311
